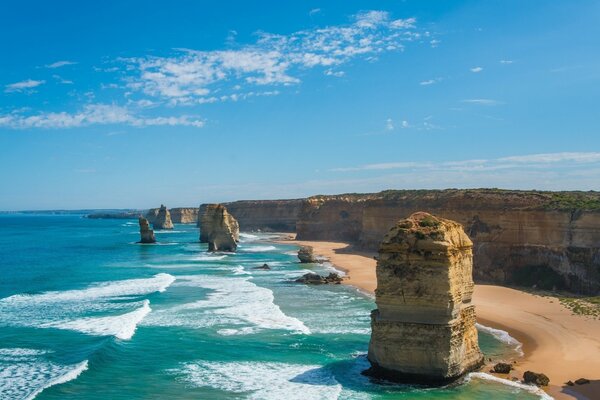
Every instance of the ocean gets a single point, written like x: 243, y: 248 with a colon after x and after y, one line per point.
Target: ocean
x: 87, y: 313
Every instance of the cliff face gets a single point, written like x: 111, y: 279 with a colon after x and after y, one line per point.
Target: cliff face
x: 180, y: 215
x: 266, y: 215
x: 218, y: 228
x: 423, y: 329
x: 523, y: 238
x: 163, y: 219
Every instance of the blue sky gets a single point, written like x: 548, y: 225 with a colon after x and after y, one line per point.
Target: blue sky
x: 136, y: 103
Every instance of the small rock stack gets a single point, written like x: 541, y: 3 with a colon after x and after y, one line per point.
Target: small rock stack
x: 163, y: 219
x: 306, y: 256
x: 218, y: 228
x: 146, y: 234
x: 423, y: 330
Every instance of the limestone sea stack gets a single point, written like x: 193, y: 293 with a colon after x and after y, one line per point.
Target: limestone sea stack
x: 146, y: 234
x: 218, y: 228
x: 423, y: 329
x: 163, y: 219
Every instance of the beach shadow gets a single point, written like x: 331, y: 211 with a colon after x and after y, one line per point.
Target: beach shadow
x: 588, y: 391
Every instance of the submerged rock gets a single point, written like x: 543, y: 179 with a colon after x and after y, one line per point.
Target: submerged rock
x: 163, y: 219
x: 305, y: 255
x: 423, y: 330
x: 535, y: 378
x: 146, y: 234
x: 315, y: 279
x: 263, y: 267
x: 218, y: 228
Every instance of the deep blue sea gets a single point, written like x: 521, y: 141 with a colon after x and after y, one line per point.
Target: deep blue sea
x: 87, y: 313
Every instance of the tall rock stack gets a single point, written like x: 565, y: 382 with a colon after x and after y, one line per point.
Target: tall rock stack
x: 163, y: 219
x: 218, y: 228
x: 146, y: 234
x: 423, y: 329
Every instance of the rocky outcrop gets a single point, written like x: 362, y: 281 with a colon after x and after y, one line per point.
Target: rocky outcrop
x: 266, y: 215
x: 163, y: 219
x: 180, y: 215
x: 316, y: 279
x: 547, y: 239
x: 306, y: 255
x: 146, y: 234
x: 502, y: 368
x: 218, y: 228
x: 535, y: 378
x: 423, y: 329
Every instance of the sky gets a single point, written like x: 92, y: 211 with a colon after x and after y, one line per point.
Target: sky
x: 130, y: 104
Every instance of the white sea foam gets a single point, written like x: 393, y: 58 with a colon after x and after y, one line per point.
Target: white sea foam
x: 162, y: 232
x: 521, y: 386
x: 248, y: 237
x: 208, y: 257
x: 68, y: 309
x: 257, y: 249
x: 502, y: 336
x: 121, y: 326
x: 234, y: 305
x: 268, y: 380
x: 239, y: 270
x: 27, y: 373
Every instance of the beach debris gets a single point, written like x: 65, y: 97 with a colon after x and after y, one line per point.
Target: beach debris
x: 535, y: 378
x: 264, y: 267
x: 582, y: 381
x: 315, y: 279
x: 423, y: 330
x: 306, y: 256
x: 218, y: 228
x: 146, y: 234
x: 502, y: 368
x: 163, y: 219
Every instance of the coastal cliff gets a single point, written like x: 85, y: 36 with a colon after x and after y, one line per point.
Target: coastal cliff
x: 266, y: 215
x: 547, y: 239
x: 179, y: 215
x: 163, y: 219
x: 423, y: 329
x: 218, y: 228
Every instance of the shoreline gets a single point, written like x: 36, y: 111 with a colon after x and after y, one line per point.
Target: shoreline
x: 554, y: 341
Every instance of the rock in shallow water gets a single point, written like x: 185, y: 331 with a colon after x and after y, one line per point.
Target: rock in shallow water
x: 535, y: 378
x: 502, y: 368
x: 218, y: 228
x: 163, y: 219
x: 423, y: 330
x: 305, y: 255
x: 316, y: 279
x: 146, y: 234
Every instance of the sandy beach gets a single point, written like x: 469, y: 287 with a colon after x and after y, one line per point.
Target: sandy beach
x: 561, y: 345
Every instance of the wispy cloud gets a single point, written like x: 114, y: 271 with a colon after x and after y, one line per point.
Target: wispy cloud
x: 476, y: 69
x: 389, y: 124
x: 483, y: 102
x: 506, y: 62
x: 93, y: 114
x: 314, y: 11
x: 430, y: 81
x: 59, y: 64
x: 273, y: 60
x: 512, y: 162
x: 23, y: 86
x: 60, y: 79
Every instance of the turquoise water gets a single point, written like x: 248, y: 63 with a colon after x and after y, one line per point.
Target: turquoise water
x: 86, y: 313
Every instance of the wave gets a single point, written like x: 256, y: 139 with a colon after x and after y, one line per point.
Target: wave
x: 528, y: 388
x: 248, y: 237
x: 235, y: 306
x: 208, y: 257
x: 121, y: 326
x: 162, y: 232
x: 502, y: 336
x: 28, y: 374
x: 67, y: 309
x: 264, y: 380
x: 257, y: 249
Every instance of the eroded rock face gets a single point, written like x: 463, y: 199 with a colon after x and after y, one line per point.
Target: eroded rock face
x: 146, y: 234
x: 424, y: 327
x: 163, y: 219
x: 306, y: 255
x: 218, y: 228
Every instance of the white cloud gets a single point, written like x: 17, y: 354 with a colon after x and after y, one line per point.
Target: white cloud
x: 389, y: 125
x: 506, y: 61
x: 435, y: 42
x: 22, y: 86
x: 59, y: 64
x: 476, y: 69
x: 539, y: 161
x: 314, y: 11
x: 272, y: 60
x: 430, y: 81
x: 60, y: 79
x: 483, y: 102
x: 92, y: 114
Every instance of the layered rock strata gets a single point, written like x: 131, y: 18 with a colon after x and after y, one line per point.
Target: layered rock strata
x: 218, y: 228
x: 526, y: 238
x: 423, y: 329
x: 146, y: 234
x: 163, y: 219
x: 179, y: 215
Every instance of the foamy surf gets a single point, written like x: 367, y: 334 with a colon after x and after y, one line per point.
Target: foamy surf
x: 265, y: 381
x: 502, y: 336
x: 234, y: 305
x: 521, y: 386
x: 256, y: 249
x: 28, y: 373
